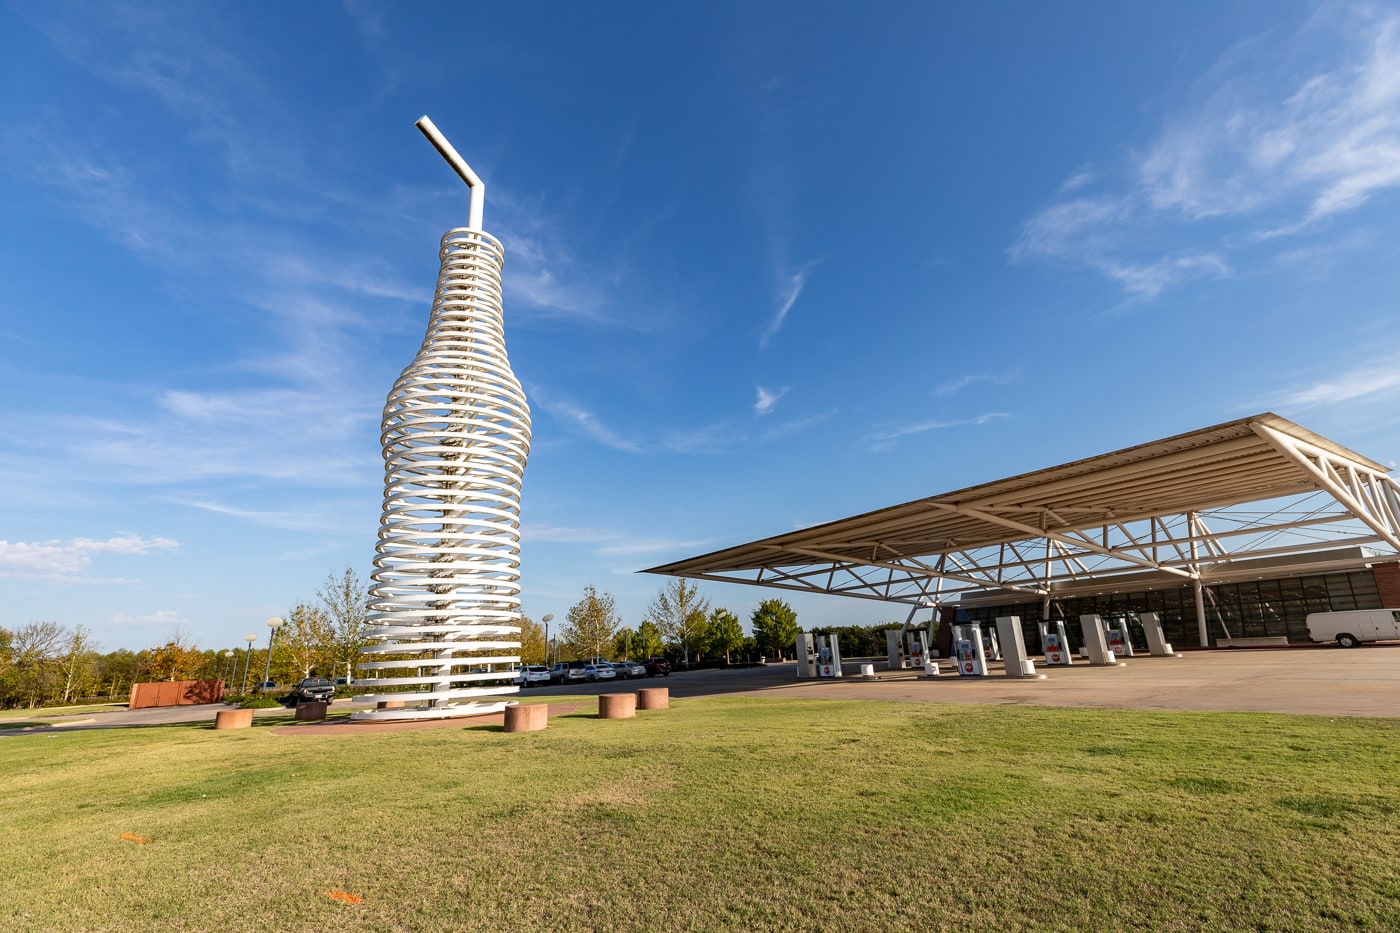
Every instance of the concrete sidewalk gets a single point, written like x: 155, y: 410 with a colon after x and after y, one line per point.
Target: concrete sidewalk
x: 1327, y: 681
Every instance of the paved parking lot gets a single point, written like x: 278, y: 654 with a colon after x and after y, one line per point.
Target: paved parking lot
x: 1320, y: 681
x: 1324, y: 681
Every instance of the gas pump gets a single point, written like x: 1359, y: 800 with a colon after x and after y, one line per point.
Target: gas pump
x: 991, y: 648
x: 968, y: 647
x: 921, y: 655
x: 894, y: 650
x: 828, y: 655
x: 1120, y: 637
x: 918, y: 647
x: 1054, y: 643
x: 806, y: 656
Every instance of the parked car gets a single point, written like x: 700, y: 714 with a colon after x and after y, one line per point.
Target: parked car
x: 532, y: 674
x: 654, y: 666
x: 313, y: 690
x: 567, y: 672
x: 629, y: 669
x: 602, y: 671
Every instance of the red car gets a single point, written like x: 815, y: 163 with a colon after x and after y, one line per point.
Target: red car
x: 656, y: 666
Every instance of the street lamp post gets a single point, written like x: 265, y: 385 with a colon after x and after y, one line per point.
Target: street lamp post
x: 228, y: 665
x: 273, y: 624
x: 548, y: 617
x: 247, y: 662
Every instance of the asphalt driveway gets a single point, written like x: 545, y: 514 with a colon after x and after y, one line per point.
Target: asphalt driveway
x: 1322, y: 681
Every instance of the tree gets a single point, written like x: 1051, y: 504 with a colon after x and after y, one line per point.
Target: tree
x: 9, y: 681
x: 726, y: 633
x: 34, y: 652
x: 177, y: 659
x: 346, y: 604
x: 78, y: 664
x: 308, y: 641
x: 532, y: 647
x: 648, y: 643
x: 592, y: 622
x: 680, y: 613
x: 116, y: 671
x: 774, y: 627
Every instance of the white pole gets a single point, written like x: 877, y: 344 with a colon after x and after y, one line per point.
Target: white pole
x: 459, y: 165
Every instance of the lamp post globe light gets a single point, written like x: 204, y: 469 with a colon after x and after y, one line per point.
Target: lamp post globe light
x: 247, y: 662
x: 548, y: 617
x: 443, y: 624
x: 273, y: 624
x: 228, y: 665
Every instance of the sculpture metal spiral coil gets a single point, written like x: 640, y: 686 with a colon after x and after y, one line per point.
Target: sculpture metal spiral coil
x: 444, y: 604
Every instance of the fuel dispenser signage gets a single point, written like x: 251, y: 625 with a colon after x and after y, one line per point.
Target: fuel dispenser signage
x: 1054, y: 643
x: 967, y: 646
x: 1119, y: 640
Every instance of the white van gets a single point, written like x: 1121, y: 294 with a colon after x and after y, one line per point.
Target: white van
x: 1349, y: 629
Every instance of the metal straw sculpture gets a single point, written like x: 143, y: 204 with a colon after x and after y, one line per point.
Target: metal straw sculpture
x: 444, y: 608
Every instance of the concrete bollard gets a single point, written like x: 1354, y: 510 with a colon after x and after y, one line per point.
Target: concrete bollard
x: 867, y: 672
x: 233, y: 719
x: 654, y: 698
x: 617, y: 705
x: 311, y: 712
x: 527, y: 717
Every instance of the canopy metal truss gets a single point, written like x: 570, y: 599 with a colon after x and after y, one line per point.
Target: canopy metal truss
x: 1188, y: 506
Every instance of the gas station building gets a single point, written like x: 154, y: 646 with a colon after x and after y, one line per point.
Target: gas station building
x: 1231, y: 534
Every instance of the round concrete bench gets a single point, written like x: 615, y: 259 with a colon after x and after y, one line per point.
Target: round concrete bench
x: 527, y: 717
x: 654, y: 698
x: 389, y: 704
x: 233, y: 719
x: 617, y: 705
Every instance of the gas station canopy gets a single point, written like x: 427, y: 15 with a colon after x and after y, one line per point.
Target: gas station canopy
x: 1193, y: 507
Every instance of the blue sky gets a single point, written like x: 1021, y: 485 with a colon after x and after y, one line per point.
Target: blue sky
x: 768, y: 265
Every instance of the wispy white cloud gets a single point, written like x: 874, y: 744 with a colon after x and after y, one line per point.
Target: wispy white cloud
x: 564, y: 535
x: 636, y: 545
x: 1076, y: 181
x: 789, y: 291
x: 767, y: 399
x: 1265, y: 151
x: 884, y: 440
x: 292, y: 521
x: 161, y: 617
x: 1333, y: 141
x: 314, y: 432
x: 62, y: 559
x: 585, y: 422
x: 1376, y: 379
x: 798, y: 425
x: 545, y: 275
x: 1150, y: 279
x: 957, y: 385
x: 709, y: 438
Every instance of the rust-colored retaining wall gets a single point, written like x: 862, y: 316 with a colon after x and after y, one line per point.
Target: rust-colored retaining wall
x: 176, y: 693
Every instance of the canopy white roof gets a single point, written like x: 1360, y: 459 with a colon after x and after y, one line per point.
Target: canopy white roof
x: 1188, y: 506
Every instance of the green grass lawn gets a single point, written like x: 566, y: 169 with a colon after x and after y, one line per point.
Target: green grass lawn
x: 726, y: 813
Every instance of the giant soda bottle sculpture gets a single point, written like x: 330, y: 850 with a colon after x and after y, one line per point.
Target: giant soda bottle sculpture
x: 444, y: 606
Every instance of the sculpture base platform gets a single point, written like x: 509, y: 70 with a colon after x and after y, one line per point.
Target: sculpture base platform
x: 407, y: 713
